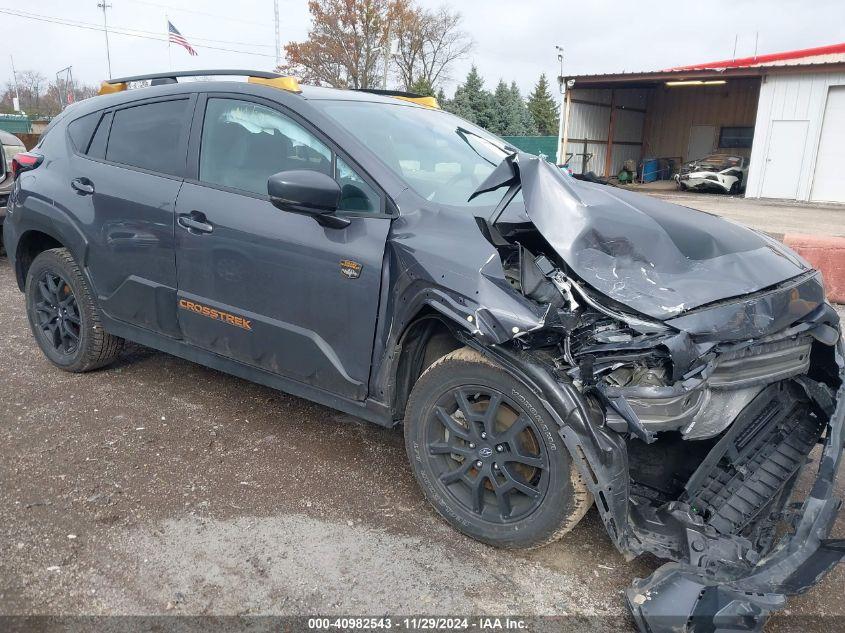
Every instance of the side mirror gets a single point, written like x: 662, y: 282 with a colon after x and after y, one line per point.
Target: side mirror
x: 307, y: 192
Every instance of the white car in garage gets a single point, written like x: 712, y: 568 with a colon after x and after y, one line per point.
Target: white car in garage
x: 716, y: 172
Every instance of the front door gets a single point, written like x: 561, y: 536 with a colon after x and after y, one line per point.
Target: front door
x: 783, y: 159
x: 269, y: 288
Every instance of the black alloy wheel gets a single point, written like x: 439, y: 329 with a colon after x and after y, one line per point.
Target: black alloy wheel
x: 487, y: 454
x: 58, y: 320
x: 64, y: 316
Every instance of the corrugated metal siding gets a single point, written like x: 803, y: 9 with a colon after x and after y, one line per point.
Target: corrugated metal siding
x: 15, y: 124
x: 595, y: 163
x: 588, y: 121
x: 591, y: 122
x: 629, y: 126
x: 799, y: 97
x: 621, y: 153
x: 673, y: 110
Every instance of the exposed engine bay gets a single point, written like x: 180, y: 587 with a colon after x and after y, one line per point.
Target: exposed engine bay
x: 704, y: 366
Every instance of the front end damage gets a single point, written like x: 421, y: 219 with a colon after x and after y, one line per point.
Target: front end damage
x: 693, y: 366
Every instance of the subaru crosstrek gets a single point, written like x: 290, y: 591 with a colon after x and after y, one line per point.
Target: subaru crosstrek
x: 547, y: 343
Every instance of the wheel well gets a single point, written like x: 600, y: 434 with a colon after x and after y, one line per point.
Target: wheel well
x: 30, y: 246
x: 425, y: 340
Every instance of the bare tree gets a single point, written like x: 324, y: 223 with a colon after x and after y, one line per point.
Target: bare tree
x: 40, y: 97
x: 344, y: 45
x: 430, y: 41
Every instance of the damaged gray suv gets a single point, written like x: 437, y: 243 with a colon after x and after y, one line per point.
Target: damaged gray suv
x: 547, y: 344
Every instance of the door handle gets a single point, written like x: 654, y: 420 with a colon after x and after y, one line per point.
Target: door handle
x: 195, y: 222
x: 82, y: 186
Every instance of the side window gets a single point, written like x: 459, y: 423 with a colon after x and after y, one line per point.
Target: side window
x: 81, y: 130
x: 356, y: 194
x: 97, y: 148
x: 147, y: 136
x: 245, y: 143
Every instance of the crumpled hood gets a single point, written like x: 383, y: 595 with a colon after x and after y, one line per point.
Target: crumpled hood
x: 658, y: 258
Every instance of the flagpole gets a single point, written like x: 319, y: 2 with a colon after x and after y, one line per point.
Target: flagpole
x: 169, y: 57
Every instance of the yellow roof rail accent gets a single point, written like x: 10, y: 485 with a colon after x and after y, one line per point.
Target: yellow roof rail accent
x: 107, y: 88
x: 428, y: 102
x: 282, y: 83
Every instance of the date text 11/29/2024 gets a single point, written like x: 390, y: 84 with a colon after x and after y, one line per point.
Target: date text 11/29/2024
x: 482, y: 623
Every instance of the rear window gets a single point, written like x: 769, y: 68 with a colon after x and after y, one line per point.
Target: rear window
x: 150, y: 136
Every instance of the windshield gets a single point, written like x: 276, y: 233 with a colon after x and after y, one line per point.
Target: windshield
x: 440, y: 156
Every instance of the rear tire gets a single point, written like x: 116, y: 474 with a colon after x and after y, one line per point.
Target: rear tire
x: 64, y: 317
x: 488, y: 456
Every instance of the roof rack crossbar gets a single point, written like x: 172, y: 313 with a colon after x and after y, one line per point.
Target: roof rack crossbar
x: 390, y: 93
x: 197, y: 73
x: 413, y: 97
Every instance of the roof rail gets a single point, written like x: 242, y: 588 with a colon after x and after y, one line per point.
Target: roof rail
x: 428, y: 102
x: 274, y: 80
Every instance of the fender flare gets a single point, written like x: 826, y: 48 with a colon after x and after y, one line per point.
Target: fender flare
x: 48, y: 219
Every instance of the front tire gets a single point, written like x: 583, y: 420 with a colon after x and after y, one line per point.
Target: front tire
x: 488, y: 457
x: 63, y: 316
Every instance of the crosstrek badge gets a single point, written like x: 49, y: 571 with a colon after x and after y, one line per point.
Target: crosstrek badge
x: 217, y: 315
x: 350, y: 269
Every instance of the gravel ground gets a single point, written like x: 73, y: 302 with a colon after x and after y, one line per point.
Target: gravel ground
x: 776, y: 217
x: 161, y: 487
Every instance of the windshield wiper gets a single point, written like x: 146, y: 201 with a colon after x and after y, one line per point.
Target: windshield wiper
x: 465, y: 134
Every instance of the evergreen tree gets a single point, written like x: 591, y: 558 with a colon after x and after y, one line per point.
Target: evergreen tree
x: 512, y: 115
x: 442, y: 100
x: 543, y: 108
x: 422, y: 87
x: 508, y: 121
x: 526, y: 120
x: 473, y: 102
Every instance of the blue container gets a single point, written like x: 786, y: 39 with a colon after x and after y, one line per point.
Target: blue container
x: 651, y: 169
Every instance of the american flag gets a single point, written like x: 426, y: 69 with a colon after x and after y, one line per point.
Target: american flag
x: 176, y: 37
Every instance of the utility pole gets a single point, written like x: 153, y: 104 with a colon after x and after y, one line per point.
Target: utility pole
x: 386, y: 60
x: 104, y: 5
x: 278, y: 36
x: 564, y: 118
x: 16, y: 106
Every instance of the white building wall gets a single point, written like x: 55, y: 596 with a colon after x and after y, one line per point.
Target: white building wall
x: 790, y: 97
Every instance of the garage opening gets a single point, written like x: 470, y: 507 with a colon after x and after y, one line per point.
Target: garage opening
x: 650, y: 128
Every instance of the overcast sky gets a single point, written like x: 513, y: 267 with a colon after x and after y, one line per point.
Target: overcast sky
x: 514, y: 40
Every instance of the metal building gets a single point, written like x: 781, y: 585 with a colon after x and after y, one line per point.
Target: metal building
x: 784, y: 110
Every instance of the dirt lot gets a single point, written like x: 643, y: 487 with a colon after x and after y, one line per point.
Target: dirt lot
x: 162, y: 487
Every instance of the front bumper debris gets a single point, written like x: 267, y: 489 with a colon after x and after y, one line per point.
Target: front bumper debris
x: 682, y: 597
x: 718, y: 582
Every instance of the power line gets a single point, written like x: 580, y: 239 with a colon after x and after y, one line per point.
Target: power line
x: 213, y: 15
x: 129, y: 30
x: 112, y: 30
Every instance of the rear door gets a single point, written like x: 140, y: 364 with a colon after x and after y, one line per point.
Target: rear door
x: 124, y: 182
x: 273, y: 289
